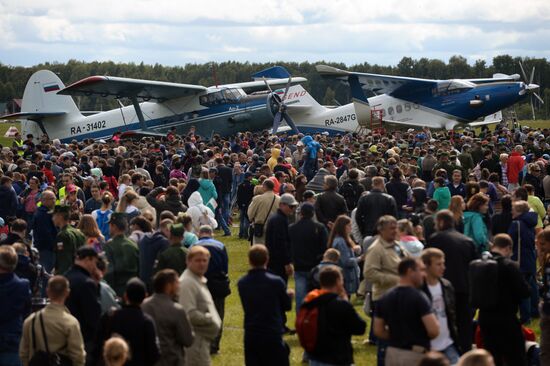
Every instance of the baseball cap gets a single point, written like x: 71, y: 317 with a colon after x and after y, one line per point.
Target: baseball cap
x: 117, y: 217
x: 288, y: 199
x: 71, y: 188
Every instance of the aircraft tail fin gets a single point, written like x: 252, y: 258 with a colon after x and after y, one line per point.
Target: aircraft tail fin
x: 41, y: 98
x: 275, y: 72
x: 298, y: 100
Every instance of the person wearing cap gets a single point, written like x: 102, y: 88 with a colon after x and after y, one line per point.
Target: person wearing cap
x: 217, y: 275
x: 245, y: 192
x: 122, y: 254
x: 173, y: 257
x: 277, y: 239
x: 133, y: 324
x: 61, y: 328
x: 71, y: 200
x: 67, y: 180
x: 67, y: 241
x: 83, y: 300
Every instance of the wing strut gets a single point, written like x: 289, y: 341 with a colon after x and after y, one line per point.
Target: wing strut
x: 139, y: 113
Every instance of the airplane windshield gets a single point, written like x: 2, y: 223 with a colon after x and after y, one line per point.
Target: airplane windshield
x: 224, y: 96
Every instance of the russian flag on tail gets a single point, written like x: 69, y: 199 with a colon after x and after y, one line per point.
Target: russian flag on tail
x: 51, y: 87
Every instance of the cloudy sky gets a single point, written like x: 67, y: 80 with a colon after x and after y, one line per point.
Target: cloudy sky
x: 175, y: 32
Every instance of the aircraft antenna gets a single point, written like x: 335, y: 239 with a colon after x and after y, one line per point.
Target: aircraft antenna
x: 214, y: 74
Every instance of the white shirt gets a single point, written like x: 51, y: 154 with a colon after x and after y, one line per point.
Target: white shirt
x: 443, y: 340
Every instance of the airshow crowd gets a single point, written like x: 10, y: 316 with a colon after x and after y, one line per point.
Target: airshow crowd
x: 112, y: 252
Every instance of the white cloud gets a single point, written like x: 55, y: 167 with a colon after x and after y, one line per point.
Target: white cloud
x: 350, y: 31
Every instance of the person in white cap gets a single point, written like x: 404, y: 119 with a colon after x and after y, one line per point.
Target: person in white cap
x: 277, y: 239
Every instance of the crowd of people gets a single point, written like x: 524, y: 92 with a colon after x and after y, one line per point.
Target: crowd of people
x: 112, y: 252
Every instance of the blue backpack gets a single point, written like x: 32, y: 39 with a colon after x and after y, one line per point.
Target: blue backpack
x: 103, y: 222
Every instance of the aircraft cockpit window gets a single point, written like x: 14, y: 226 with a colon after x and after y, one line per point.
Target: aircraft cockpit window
x: 460, y: 84
x: 220, y: 97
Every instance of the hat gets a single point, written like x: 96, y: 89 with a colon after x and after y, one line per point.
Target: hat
x: 117, y: 218
x: 177, y: 229
x: 2, y: 222
x: 71, y: 188
x: 288, y: 199
x: 248, y: 175
x: 308, y: 194
x: 546, y: 157
x: 85, y: 251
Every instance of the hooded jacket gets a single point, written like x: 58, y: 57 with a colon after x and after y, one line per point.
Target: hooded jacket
x: 275, y: 153
x: 522, y: 232
x: 197, y: 210
x: 207, y: 191
x: 475, y: 228
x: 14, y: 307
x: 514, y: 165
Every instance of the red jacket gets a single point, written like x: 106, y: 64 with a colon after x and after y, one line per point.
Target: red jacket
x: 514, y: 165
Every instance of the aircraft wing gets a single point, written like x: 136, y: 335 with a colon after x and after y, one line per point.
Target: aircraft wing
x: 259, y: 85
x: 488, y: 120
x: 496, y: 78
x: 115, y: 87
x: 398, y: 86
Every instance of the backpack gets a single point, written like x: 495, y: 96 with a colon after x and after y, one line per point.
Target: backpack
x: 103, y: 222
x: 307, y: 322
x: 350, y: 194
x: 483, y: 278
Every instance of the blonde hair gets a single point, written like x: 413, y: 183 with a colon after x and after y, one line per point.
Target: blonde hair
x: 126, y: 200
x: 477, y: 357
x: 116, y: 351
x: 196, y: 251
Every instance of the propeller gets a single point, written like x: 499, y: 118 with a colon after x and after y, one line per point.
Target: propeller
x: 282, y: 108
x: 529, y: 87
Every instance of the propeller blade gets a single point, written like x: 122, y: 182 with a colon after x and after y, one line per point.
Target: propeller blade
x: 286, y: 89
x: 276, y: 122
x: 533, y: 109
x: 290, y: 123
x: 532, y: 75
x: 267, y: 84
x: 523, y: 71
x: 538, y: 97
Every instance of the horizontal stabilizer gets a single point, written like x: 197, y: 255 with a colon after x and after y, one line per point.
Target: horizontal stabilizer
x: 32, y: 116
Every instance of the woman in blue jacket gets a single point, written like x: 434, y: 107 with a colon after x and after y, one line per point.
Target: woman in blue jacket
x: 474, y: 224
x: 340, y: 239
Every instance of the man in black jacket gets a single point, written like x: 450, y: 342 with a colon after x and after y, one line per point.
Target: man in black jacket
x: 225, y: 174
x: 500, y: 327
x: 245, y: 192
x: 372, y: 206
x: 459, y: 251
x: 330, y: 204
x: 83, y: 301
x: 132, y: 324
x: 338, y: 320
x: 308, y: 241
x: 442, y: 297
x: 265, y: 299
x: 277, y: 239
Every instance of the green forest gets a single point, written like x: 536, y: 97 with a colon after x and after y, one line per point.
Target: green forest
x: 329, y: 92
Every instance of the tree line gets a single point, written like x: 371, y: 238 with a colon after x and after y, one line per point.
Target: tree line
x: 329, y: 92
